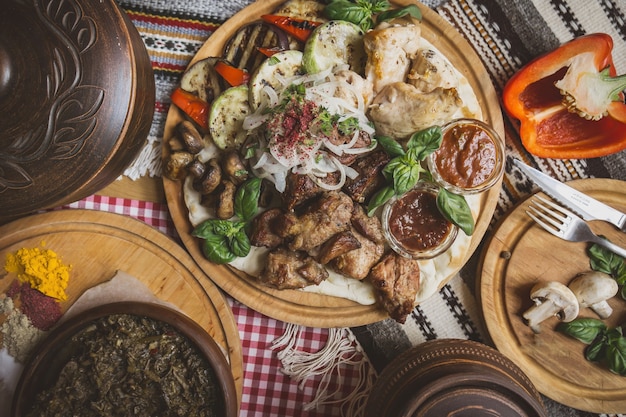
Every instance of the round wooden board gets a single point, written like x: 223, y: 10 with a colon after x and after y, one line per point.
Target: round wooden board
x: 98, y: 244
x: 313, y: 309
x: 553, y: 361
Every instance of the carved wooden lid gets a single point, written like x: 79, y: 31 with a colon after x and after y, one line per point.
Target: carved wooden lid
x: 76, y: 100
x: 453, y: 377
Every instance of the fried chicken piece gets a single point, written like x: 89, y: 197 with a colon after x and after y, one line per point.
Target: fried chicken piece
x: 287, y: 269
x: 430, y: 70
x: 390, y: 46
x: 262, y: 229
x: 324, y: 218
x: 396, y: 280
x: 400, y: 109
x: 337, y: 245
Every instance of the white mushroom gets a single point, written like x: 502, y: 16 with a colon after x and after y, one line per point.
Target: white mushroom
x: 551, y: 299
x: 592, y: 289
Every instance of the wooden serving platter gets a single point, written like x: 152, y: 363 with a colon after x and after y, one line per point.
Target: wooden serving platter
x: 98, y: 244
x: 302, y: 307
x: 520, y: 254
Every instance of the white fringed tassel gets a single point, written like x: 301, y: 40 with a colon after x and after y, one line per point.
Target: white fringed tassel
x: 341, y: 349
x: 148, y: 162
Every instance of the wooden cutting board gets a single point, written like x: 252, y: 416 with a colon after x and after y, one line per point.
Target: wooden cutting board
x: 303, y: 307
x: 97, y: 244
x: 520, y: 254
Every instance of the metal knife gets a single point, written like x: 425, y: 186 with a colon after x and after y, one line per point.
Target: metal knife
x: 587, y: 207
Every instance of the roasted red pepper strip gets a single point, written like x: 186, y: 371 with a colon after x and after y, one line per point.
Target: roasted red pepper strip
x: 269, y: 52
x: 233, y: 75
x: 583, y: 72
x: 298, y: 28
x: 194, y: 107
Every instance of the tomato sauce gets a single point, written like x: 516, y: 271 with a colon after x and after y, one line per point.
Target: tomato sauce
x: 416, y: 222
x: 467, y: 156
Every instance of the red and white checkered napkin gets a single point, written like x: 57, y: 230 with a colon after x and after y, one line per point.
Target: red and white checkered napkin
x: 268, y: 390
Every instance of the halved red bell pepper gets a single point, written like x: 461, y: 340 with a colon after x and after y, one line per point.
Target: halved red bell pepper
x: 233, y: 75
x: 193, y: 106
x: 298, y: 28
x: 569, y: 103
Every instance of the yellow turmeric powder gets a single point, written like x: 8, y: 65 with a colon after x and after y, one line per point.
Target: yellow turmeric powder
x: 42, y: 269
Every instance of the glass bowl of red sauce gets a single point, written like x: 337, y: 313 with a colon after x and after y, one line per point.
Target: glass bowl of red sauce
x: 414, y: 226
x: 470, y: 159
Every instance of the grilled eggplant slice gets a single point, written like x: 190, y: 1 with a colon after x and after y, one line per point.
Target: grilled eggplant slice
x: 242, y: 49
x: 202, y: 80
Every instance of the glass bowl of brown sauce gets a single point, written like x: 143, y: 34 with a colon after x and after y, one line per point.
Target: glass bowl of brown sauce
x: 414, y: 226
x: 470, y: 159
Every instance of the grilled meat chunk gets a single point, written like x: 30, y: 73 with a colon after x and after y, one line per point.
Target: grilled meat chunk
x: 262, y: 229
x: 337, y: 245
x: 299, y: 189
x: 370, y: 227
x: 325, y: 217
x: 358, y: 262
x: 286, y: 269
x: 396, y: 280
x: 370, y: 176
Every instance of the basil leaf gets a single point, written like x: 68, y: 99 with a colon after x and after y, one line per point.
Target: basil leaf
x: 211, y: 227
x: 380, y: 198
x: 584, y: 329
x: 405, y: 177
x: 455, y: 208
x: 596, y: 351
x: 616, y: 355
x: 606, y: 261
x: 203, y: 229
x: 224, y: 227
x: 247, y: 199
x: 240, y: 244
x: 423, y: 143
x: 392, y: 166
x: 392, y: 147
x: 348, y: 11
x: 216, y: 249
x: 411, y: 10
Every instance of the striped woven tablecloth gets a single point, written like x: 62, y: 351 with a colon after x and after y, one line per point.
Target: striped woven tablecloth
x: 506, y: 34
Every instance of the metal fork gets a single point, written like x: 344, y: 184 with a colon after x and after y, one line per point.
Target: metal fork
x: 566, y: 225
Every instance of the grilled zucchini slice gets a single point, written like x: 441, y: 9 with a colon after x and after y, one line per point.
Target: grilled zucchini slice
x: 335, y: 43
x: 280, y: 66
x: 226, y: 117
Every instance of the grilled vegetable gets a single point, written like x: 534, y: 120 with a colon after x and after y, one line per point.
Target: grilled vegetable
x: 202, y: 80
x: 193, y: 106
x: 282, y: 65
x: 233, y: 75
x: 244, y: 49
x: 300, y: 29
x: 557, y: 96
x: 335, y: 43
x: 226, y: 117
x: 190, y: 136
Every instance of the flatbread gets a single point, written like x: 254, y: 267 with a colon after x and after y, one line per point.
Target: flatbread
x: 432, y: 272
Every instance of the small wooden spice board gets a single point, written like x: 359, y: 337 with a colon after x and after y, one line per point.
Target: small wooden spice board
x: 520, y: 254
x: 98, y: 244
